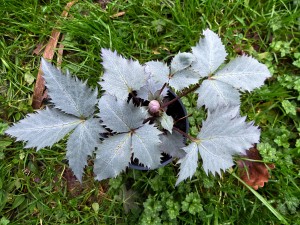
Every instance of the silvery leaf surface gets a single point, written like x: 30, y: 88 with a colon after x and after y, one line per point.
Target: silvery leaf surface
x: 188, y: 164
x: 145, y: 145
x: 119, y: 115
x: 81, y: 144
x: 224, y: 134
x: 151, y: 90
x: 158, y: 71
x: 244, y: 73
x: 181, y: 61
x: 121, y: 76
x: 113, y: 156
x: 183, y: 79
x: 166, y: 122
x: 68, y: 93
x: 172, y: 144
x: 209, y: 52
x: 43, y: 128
x: 214, y: 93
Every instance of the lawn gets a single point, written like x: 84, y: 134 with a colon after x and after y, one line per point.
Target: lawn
x: 39, y: 188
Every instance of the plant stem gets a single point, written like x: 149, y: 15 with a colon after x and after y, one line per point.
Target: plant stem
x: 185, y: 134
x: 181, y: 95
x: 163, y: 87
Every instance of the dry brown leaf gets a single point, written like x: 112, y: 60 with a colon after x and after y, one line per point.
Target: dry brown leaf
x: 255, y: 174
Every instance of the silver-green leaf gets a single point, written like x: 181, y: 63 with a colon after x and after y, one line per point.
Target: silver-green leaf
x: 145, y: 145
x: 166, y: 122
x: 183, y: 79
x: 223, y: 134
x: 158, y: 71
x: 214, y: 93
x: 121, y: 76
x: 244, y: 73
x: 113, y: 156
x: 43, y: 128
x: 181, y: 61
x: 209, y: 52
x: 172, y: 144
x: 82, y: 143
x: 67, y: 93
x: 119, y: 115
x: 189, y: 163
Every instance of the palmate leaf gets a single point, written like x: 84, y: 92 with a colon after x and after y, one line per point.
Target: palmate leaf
x: 67, y: 93
x: 121, y: 76
x: 82, y: 143
x: 113, y: 156
x: 223, y: 134
x: 244, y: 73
x: 145, y: 145
x: 120, y: 116
x: 114, y: 153
x: 43, y: 128
x: 209, y: 52
x: 214, y: 93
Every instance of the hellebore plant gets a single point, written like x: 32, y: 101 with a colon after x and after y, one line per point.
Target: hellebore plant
x: 132, y: 123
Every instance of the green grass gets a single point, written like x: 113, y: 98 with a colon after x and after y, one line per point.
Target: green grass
x: 36, y: 188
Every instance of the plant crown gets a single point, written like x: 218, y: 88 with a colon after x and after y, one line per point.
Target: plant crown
x: 132, y: 122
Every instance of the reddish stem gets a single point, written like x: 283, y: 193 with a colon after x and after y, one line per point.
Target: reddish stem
x: 180, y: 96
x: 185, y: 134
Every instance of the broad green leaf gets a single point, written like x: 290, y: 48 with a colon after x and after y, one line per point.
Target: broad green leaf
x: 166, y: 122
x: 209, y: 52
x: 172, y: 144
x: 188, y: 164
x: 43, y: 128
x: 113, y: 156
x: 121, y: 76
x: 145, y: 145
x: 119, y: 115
x: 67, y: 93
x: 181, y: 61
x: 223, y: 134
x: 244, y: 73
x: 82, y: 143
x: 183, y: 79
x: 214, y: 93
x: 289, y: 107
x: 18, y: 201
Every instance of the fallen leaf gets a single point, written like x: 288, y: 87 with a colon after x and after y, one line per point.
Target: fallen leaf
x: 254, y: 173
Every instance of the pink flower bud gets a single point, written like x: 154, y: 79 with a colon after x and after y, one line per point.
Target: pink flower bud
x: 154, y: 106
